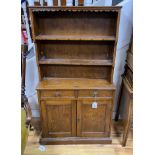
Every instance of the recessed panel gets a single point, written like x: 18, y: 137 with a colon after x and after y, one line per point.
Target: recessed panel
x: 93, y: 120
x: 59, y: 118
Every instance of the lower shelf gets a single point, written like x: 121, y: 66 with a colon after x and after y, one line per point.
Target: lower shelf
x: 75, y: 140
x: 86, y: 62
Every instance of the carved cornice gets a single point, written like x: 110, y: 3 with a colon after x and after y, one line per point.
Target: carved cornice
x: 75, y: 9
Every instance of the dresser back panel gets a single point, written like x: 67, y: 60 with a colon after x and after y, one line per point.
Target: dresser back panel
x: 101, y: 50
x: 68, y: 71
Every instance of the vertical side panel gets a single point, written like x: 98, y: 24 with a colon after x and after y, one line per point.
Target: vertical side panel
x: 108, y: 119
x: 44, y: 122
x: 110, y: 112
x: 37, y: 56
x: 115, y: 46
x: 32, y: 19
x: 79, y: 118
x: 74, y: 118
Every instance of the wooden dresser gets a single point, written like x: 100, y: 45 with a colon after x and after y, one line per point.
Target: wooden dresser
x: 75, y: 50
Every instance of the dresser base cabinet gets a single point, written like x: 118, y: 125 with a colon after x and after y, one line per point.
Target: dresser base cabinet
x: 70, y: 118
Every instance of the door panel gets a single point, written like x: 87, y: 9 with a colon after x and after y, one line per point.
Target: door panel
x: 94, y: 122
x: 59, y: 118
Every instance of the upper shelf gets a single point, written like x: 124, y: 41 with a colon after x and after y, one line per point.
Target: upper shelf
x: 76, y: 62
x: 74, y: 37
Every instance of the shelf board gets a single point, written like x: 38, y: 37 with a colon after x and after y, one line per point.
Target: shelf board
x: 74, y: 37
x: 74, y: 83
x: 76, y: 62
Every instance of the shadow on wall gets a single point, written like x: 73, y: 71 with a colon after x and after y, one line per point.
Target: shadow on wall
x: 115, y: 2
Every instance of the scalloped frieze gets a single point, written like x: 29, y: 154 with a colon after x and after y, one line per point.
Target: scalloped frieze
x: 75, y: 9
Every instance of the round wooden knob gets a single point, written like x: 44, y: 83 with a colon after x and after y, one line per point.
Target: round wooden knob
x: 94, y: 93
x: 57, y: 94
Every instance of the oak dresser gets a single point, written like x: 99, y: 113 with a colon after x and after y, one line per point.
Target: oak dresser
x: 75, y: 51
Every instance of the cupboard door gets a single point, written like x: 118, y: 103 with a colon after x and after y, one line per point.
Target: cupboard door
x: 58, y: 118
x: 94, y: 122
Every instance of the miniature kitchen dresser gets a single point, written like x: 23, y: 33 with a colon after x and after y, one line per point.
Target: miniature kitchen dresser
x: 75, y: 51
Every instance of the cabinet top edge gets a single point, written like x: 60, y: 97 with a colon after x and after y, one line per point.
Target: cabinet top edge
x: 76, y: 89
x: 74, y: 8
x: 77, y: 84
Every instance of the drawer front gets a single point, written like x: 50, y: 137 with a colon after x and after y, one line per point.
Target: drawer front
x: 95, y: 93
x: 57, y: 93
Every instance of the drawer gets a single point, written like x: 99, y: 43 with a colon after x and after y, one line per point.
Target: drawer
x: 95, y: 93
x: 57, y: 93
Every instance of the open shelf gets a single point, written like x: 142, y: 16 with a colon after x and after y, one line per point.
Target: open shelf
x: 76, y: 71
x: 76, y: 62
x: 64, y: 49
x: 85, y: 25
x: 75, y: 37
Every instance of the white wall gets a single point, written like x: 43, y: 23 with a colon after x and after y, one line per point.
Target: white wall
x: 102, y: 2
x: 108, y: 2
x: 99, y: 3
